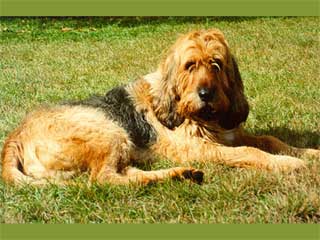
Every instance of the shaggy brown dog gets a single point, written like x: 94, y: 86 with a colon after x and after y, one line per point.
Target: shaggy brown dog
x: 190, y: 110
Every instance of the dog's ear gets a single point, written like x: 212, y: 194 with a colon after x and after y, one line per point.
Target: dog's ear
x: 239, y: 107
x: 164, y: 95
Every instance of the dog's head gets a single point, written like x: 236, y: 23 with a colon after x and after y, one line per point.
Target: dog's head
x: 199, y: 79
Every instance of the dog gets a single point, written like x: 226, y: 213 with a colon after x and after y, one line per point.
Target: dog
x: 190, y: 110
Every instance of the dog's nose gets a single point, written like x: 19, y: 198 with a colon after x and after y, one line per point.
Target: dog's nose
x: 205, y: 94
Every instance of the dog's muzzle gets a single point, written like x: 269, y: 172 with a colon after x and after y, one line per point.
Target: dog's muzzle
x: 207, y: 113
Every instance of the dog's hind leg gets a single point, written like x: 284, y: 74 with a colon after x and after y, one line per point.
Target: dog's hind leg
x: 113, y: 155
x: 132, y: 175
x: 115, y: 168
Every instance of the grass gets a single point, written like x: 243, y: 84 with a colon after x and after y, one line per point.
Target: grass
x: 47, y: 60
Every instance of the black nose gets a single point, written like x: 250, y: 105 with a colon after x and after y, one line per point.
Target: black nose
x: 205, y: 94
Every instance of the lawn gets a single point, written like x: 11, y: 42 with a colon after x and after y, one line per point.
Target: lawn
x: 48, y: 60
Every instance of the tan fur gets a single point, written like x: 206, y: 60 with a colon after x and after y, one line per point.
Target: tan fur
x: 54, y: 144
x: 206, y: 141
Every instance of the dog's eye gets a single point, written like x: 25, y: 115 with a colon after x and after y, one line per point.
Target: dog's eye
x: 189, y: 65
x: 216, y: 64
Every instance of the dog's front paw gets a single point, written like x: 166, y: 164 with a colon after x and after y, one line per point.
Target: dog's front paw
x: 311, y: 153
x: 287, y: 163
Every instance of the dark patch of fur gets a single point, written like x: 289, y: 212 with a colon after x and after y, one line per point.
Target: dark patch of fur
x: 118, y: 106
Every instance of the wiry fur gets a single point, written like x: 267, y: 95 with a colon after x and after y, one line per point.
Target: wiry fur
x: 162, y: 114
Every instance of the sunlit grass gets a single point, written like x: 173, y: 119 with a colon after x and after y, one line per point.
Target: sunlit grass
x: 50, y: 60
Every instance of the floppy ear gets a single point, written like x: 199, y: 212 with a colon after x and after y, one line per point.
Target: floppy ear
x: 239, y: 107
x: 164, y: 95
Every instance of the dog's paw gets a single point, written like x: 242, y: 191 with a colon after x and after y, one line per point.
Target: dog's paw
x: 311, y: 153
x: 287, y: 164
x: 194, y: 175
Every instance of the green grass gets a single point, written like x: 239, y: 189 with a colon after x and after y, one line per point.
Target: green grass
x: 47, y: 60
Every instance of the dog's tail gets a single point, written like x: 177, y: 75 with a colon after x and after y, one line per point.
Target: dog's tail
x: 12, y: 164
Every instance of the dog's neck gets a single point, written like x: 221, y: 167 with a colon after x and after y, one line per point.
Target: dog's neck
x: 192, y: 128
x: 226, y: 137
x: 229, y: 135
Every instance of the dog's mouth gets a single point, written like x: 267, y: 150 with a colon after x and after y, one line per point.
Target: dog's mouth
x: 207, y: 113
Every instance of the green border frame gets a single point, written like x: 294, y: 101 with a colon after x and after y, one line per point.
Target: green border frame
x: 161, y: 231
x: 159, y: 7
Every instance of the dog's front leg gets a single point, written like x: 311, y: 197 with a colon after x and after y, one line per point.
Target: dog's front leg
x: 274, y: 145
x: 196, y: 149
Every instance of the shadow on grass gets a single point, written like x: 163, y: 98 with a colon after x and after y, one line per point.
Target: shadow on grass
x: 136, y: 21
x: 304, y: 139
x: 97, y: 22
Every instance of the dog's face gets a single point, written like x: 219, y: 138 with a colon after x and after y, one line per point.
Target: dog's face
x: 202, y: 79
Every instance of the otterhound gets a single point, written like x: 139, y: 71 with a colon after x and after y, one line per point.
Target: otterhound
x: 190, y: 110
